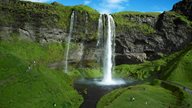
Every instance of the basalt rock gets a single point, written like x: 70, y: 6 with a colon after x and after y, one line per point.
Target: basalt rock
x: 171, y: 34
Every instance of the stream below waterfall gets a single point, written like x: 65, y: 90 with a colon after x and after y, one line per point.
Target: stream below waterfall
x: 92, y: 91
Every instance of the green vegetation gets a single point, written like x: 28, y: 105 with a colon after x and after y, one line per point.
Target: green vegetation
x: 26, y: 81
x: 124, y: 22
x: 144, y: 95
x: 148, y: 96
x: 40, y: 53
x: 141, y: 14
x: 144, y: 70
x: 91, y: 73
x: 175, y: 67
x: 180, y: 71
x: 180, y: 18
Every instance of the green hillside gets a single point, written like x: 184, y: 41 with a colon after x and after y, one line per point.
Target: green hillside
x: 145, y: 96
x: 26, y: 81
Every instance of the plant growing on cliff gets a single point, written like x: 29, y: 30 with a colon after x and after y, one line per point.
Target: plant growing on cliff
x: 180, y: 17
x: 41, y: 14
x: 124, y: 22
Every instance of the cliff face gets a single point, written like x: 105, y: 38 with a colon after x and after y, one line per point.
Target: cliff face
x: 170, y: 32
x: 184, y: 7
x: 50, y: 23
x: 47, y: 23
x: 139, y: 36
x: 162, y: 34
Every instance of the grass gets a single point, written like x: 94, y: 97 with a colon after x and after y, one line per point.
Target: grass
x: 145, y: 96
x: 39, y: 53
x: 24, y: 83
x: 143, y: 70
x: 124, y: 23
x: 135, y: 13
x: 181, y: 71
x: 180, y: 18
x: 141, y: 96
x: 175, y: 67
x: 91, y: 73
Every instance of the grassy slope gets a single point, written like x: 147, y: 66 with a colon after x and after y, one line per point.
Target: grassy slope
x: 146, y: 96
x: 144, y: 70
x: 175, y: 67
x: 38, y: 87
x: 154, y: 96
x: 182, y: 70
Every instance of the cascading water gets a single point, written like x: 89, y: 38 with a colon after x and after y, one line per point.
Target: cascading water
x: 108, y: 51
x: 100, y: 30
x: 106, y: 42
x: 69, y: 41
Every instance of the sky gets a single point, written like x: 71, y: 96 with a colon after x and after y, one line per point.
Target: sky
x: 111, y: 6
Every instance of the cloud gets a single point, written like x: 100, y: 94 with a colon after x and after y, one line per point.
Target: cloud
x: 38, y: 0
x: 86, y: 2
x: 108, y: 6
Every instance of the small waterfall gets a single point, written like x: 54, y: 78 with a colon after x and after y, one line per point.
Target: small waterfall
x: 100, y: 30
x: 81, y: 54
x: 69, y: 41
x: 108, y: 51
x: 100, y: 40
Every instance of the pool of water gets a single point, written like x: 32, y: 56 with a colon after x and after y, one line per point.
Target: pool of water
x: 93, y: 89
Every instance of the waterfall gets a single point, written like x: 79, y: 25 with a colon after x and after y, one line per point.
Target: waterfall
x: 108, y: 51
x: 69, y: 41
x: 100, y: 30
x: 106, y: 35
x: 81, y: 54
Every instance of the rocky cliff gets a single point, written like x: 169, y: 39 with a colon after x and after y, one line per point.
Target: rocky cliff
x: 139, y: 36
x: 149, y: 36
x: 45, y: 23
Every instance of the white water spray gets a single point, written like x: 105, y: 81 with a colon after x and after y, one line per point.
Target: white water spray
x: 108, y: 52
x: 100, y: 30
x: 69, y: 41
x: 106, y: 36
